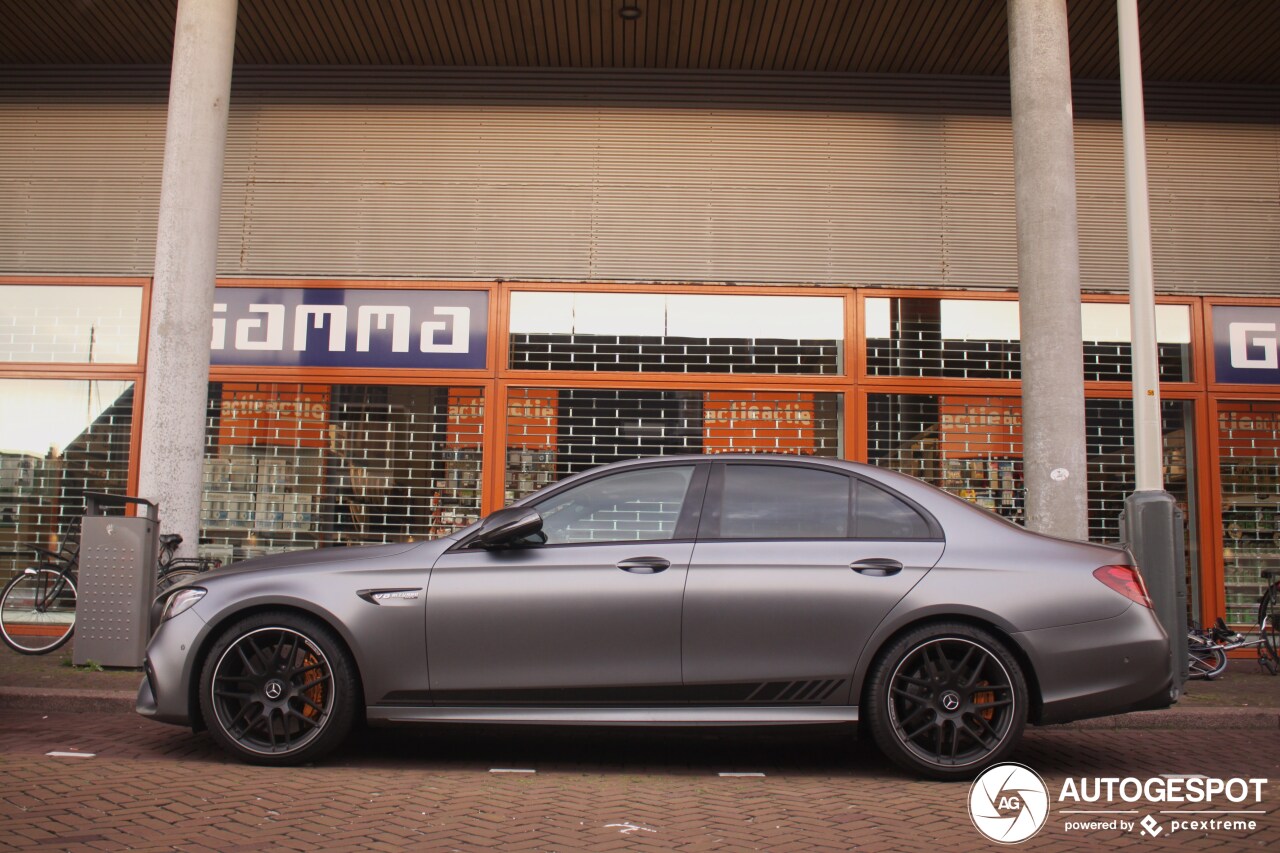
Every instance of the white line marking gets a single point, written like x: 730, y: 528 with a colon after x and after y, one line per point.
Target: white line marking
x: 510, y: 770
x: 71, y: 754
x: 739, y: 775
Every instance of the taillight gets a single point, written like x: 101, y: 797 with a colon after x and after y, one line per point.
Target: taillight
x: 1126, y: 580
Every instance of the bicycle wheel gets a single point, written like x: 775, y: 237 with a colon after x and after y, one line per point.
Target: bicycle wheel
x: 1268, y: 616
x: 173, y: 577
x: 1205, y: 660
x: 38, y: 611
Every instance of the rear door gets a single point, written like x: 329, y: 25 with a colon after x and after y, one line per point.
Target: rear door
x: 794, y: 567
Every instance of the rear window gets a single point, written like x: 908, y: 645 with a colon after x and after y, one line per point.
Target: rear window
x: 881, y: 515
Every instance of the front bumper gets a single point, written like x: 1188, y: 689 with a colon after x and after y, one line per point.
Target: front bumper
x: 1111, y: 666
x: 167, y: 693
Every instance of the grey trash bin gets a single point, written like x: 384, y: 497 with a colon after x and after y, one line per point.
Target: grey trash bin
x: 117, y: 581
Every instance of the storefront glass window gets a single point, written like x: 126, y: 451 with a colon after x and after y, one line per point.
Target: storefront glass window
x: 58, y: 438
x: 291, y: 466
x: 69, y: 324
x: 555, y: 432
x: 979, y: 339
x: 1249, y: 464
x: 677, y: 333
x: 972, y: 446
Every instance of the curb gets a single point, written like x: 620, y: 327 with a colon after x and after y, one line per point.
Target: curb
x: 1183, y: 718
x: 121, y: 701
x: 53, y: 699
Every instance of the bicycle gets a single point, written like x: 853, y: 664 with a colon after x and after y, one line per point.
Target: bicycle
x: 1206, y: 658
x: 172, y: 570
x: 1207, y: 648
x: 38, y: 607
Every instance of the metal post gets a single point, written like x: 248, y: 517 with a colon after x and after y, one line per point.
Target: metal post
x: 173, y: 420
x: 1152, y: 523
x: 1142, y: 302
x: 1048, y: 269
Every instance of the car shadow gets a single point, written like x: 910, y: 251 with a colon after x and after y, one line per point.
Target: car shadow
x: 800, y: 750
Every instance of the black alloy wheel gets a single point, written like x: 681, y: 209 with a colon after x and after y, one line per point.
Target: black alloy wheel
x: 947, y: 701
x: 278, y: 689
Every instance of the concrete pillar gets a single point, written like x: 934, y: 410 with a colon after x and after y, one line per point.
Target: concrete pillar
x: 173, y: 419
x: 1048, y: 269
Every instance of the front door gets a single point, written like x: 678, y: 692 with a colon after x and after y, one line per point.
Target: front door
x: 590, y: 616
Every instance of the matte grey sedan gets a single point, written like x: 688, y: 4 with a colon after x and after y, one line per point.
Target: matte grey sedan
x: 711, y: 590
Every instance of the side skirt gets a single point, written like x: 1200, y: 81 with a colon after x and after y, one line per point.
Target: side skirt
x: 686, y: 716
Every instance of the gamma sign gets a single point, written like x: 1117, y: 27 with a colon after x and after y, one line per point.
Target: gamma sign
x: 1244, y: 344
x: 335, y: 327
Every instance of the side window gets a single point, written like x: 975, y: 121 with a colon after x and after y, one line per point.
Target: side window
x: 884, y: 516
x: 627, y: 507
x: 783, y: 502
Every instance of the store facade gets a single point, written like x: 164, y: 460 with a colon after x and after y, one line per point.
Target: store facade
x: 465, y: 253
x: 357, y: 412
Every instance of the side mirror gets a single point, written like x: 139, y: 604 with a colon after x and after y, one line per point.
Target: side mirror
x: 507, y: 526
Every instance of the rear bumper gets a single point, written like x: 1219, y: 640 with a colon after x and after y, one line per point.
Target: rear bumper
x: 1112, y: 666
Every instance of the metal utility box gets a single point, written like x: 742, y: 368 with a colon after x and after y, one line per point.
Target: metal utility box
x: 117, y: 581
x: 1153, y: 528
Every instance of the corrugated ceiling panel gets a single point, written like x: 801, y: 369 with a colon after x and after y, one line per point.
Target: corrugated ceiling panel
x: 587, y: 193
x: 1100, y: 210
x: 1205, y: 40
x: 79, y: 187
x: 980, y: 241
x: 592, y: 192
x: 1215, y: 208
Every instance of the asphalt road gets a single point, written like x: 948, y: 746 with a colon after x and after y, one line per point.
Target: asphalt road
x: 153, y: 787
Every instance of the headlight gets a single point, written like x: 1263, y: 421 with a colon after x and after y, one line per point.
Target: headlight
x: 181, y: 601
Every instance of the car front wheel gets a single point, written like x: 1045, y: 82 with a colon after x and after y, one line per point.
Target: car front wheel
x: 278, y: 689
x: 946, y: 700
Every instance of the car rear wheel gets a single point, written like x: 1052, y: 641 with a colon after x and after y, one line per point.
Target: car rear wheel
x: 278, y: 689
x: 946, y: 700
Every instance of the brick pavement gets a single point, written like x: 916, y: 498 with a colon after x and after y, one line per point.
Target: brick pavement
x: 153, y: 787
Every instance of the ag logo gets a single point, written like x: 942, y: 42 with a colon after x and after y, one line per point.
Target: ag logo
x: 1009, y: 803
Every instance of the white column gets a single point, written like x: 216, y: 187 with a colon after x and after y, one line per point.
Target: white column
x: 173, y: 420
x: 1048, y: 268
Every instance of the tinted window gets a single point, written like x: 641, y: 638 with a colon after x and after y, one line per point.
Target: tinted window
x: 779, y: 502
x: 884, y: 516
x: 631, y: 506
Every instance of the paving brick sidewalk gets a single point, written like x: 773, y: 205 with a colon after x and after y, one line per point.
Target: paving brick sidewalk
x: 151, y: 787
x: 155, y: 787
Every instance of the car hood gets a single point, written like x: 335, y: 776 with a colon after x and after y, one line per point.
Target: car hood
x: 349, y: 556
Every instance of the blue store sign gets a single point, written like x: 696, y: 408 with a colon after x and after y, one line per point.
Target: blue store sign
x: 322, y: 327
x: 1245, y: 344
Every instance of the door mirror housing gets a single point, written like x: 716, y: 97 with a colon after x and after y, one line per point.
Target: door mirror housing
x: 507, y: 526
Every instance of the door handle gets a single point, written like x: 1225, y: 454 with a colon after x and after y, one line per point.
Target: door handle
x: 876, y: 567
x: 645, y: 565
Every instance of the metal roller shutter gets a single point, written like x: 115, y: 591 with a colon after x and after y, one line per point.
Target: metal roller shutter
x: 667, y: 177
